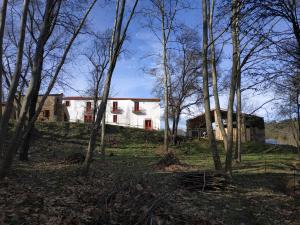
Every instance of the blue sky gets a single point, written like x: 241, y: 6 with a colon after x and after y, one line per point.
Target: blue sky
x: 129, y: 79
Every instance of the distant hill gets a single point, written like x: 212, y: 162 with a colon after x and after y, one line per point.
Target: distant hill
x: 281, y: 131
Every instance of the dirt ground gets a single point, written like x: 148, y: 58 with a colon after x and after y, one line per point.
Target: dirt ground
x: 127, y: 188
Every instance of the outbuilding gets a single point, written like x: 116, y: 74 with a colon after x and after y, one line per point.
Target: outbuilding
x: 253, y: 127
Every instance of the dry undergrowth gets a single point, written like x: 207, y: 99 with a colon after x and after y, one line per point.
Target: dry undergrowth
x: 170, y: 162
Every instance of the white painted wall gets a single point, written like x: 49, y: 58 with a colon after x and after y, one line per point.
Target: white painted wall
x: 125, y: 118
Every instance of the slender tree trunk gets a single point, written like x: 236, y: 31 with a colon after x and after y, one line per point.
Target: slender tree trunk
x: 166, y: 86
x: 115, y: 48
x: 173, y: 127
x: 176, y: 127
x: 102, y: 145
x: 95, y: 107
x: 208, y: 120
x: 215, y: 78
x: 234, y: 76
x: 239, y: 119
x: 15, y: 79
x: 32, y: 110
x: 2, y: 26
x: 298, y: 120
x: 100, y: 113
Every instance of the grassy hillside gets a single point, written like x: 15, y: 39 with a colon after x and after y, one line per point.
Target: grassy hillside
x: 79, y: 132
x: 127, y: 188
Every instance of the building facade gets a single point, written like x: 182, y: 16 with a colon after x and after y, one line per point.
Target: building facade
x: 53, y: 109
x: 128, y: 112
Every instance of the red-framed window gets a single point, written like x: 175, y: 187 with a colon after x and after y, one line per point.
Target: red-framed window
x: 67, y: 103
x: 115, y: 106
x: 88, y: 119
x: 136, y: 106
x: 115, y: 118
x: 88, y: 106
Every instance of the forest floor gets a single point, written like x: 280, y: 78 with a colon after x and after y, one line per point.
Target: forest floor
x: 127, y: 187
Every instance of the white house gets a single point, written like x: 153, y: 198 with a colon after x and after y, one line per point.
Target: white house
x: 129, y: 112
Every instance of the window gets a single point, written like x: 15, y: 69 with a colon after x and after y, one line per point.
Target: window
x: 67, y: 103
x: 136, y: 106
x: 148, y: 124
x: 88, y: 106
x: 115, y: 106
x: 47, y: 114
x: 88, y: 118
x: 115, y: 118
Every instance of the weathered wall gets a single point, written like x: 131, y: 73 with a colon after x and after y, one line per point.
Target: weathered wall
x: 54, y: 105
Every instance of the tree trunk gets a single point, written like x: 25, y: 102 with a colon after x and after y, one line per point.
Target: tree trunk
x: 15, y: 79
x: 239, y: 119
x: 32, y: 110
x: 176, y: 127
x: 2, y: 26
x: 58, y: 69
x: 215, y: 78
x: 172, y: 134
x: 234, y: 75
x: 166, y: 91
x: 96, y: 125
x: 115, y: 48
x: 208, y: 120
x: 33, y: 86
x: 298, y: 120
x: 102, y: 145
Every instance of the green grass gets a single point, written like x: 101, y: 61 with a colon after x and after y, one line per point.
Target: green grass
x: 258, y: 195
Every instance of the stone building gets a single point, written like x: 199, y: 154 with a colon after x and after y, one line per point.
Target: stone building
x: 253, y: 127
x: 53, y: 109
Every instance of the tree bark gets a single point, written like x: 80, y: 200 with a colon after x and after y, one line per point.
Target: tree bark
x: 208, y: 120
x: 102, y: 145
x: 298, y: 119
x: 32, y: 110
x: 215, y: 78
x: 239, y: 119
x: 234, y: 76
x: 166, y: 86
x: 2, y: 27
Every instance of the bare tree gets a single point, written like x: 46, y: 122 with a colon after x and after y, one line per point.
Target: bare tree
x: 288, y: 88
x: 119, y: 34
x: 49, y: 21
x: 208, y: 119
x: 98, y: 56
x: 288, y: 48
x: 15, y: 80
x: 162, y: 15
x: 184, y: 65
x: 215, y: 74
x: 36, y: 109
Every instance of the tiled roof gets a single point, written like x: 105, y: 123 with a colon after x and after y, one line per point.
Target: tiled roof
x: 132, y: 99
